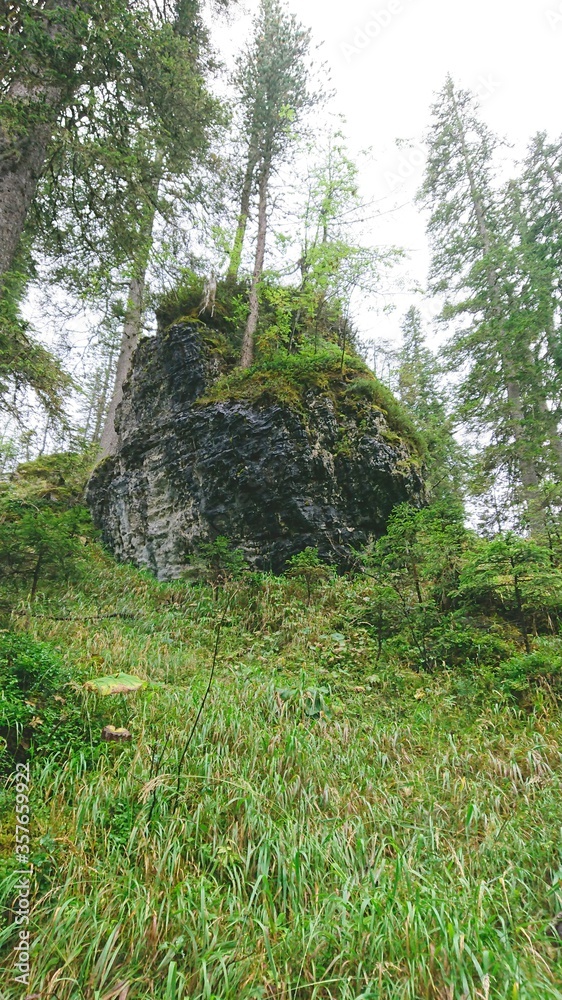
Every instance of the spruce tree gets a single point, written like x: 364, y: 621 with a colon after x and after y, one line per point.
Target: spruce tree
x: 540, y: 195
x: 273, y: 87
x: 93, y: 101
x: 476, y: 263
x: 418, y: 379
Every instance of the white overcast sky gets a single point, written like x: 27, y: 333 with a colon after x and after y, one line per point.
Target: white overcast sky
x: 387, y: 59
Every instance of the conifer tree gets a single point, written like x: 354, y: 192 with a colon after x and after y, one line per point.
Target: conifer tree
x: 476, y: 264
x: 540, y: 203
x: 92, y: 99
x: 418, y: 383
x: 541, y: 188
x: 273, y: 86
x: 42, y: 44
x: 534, y: 279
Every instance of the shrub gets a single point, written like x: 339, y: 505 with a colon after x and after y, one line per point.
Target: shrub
x: 38, y: 544
x: 57, y: 480
x: 41, y: 711
x: 309, y: 567
x: 215, y: 563
x: 514, y: 577
x: 43, y: 527
x: 30, y: 676
x: 363, y: 388
x: 523, y: 673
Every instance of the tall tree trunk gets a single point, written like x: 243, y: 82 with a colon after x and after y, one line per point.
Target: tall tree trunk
x: 36, y: 572
x: 244, y: 214
x: 18, y: 183
x: 132, y: 329
x: 529, y: 476
x: 23, y: 155
x: 247, y: 355
x: 98, y: 406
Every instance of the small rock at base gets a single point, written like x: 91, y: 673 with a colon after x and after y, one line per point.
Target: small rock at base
x: 111, y: 733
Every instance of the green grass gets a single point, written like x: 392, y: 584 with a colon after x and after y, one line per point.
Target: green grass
x: 345, y: 829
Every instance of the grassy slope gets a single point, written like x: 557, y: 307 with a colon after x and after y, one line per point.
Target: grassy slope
x: 406, y: 843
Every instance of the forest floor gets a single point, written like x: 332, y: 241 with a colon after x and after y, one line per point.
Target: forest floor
x: 345, y: 827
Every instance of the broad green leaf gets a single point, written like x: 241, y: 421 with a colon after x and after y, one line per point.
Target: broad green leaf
x: 115, y: 684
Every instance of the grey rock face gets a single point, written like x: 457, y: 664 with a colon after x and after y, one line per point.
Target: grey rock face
x: 271, y: 479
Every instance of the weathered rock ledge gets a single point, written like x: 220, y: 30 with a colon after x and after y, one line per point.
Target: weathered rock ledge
x: 271, y: 477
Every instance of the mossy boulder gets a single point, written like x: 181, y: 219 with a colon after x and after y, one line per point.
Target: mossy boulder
x: 303, y: 450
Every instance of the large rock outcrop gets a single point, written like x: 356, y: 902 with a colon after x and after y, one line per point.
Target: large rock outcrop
x: 271, y: 476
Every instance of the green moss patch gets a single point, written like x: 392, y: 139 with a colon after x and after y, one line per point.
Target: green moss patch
x: 288, y: 379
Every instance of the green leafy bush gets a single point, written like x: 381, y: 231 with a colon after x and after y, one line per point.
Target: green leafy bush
x: 431, y: 604
x: 520, y: 675
x: 514, y: 577
x: 43, y: 527
x: 308, y: 566
x: 58, y: 479
x: 37, y: 545
x: 41, y: 710
x: 30, y: 676
x: 363, y: 388
x: 442, y: 597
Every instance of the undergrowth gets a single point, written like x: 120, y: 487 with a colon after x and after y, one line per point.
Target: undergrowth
x: 350, y: 823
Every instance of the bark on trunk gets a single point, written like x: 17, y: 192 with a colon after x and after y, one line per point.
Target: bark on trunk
x: 18, y: 184
x: 247, y: 355
x: 132, y: 328
x: 99, y: 406
x: 244, y: 215
x: 22, y: 157
x: 529, y: 476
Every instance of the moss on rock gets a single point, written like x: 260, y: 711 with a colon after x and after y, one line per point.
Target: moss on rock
x: 289, y: 379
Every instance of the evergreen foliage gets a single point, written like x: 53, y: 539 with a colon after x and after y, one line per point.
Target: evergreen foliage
x: 272, y: 85
x: 274, y: 92
x: 485, y: 261
x: 109, y: 104
x: 216, y: 563
x: 419, y: 384
x: 308, y: 566
x: 43, y: 527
